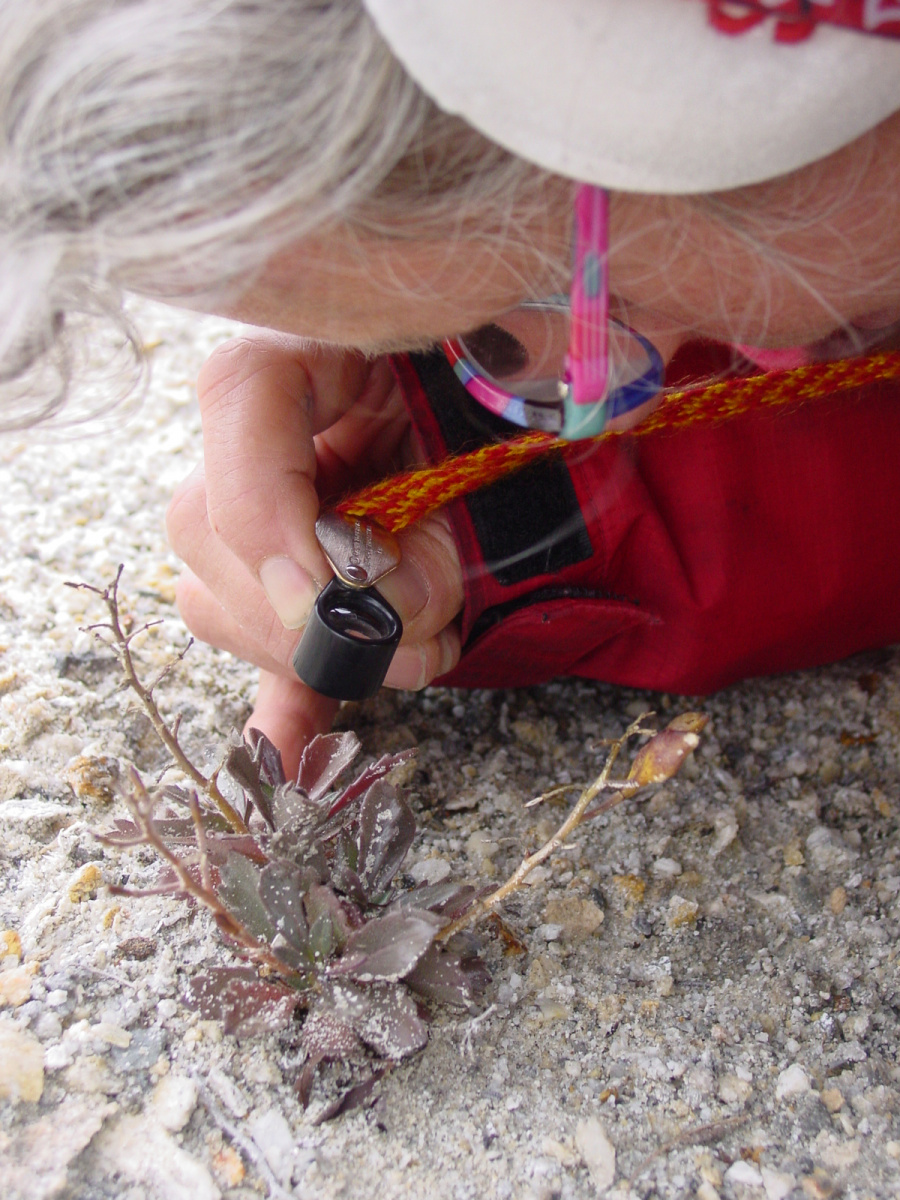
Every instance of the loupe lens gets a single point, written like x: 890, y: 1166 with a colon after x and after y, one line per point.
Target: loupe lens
x: 348, y: 643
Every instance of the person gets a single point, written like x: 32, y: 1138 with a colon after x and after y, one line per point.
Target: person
x: 360, y: 181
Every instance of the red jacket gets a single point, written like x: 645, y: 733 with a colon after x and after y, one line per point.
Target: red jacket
x: 676, y: 561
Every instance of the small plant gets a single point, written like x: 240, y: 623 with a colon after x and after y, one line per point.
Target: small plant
x: 301, y: 877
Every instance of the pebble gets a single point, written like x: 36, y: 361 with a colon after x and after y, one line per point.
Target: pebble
x: 173, y: 1101
x: 733, y: 1090
x: 430, y: 870
x: 793, y: 1081
x: 778, y: 1184
x: 576, y: 917
x: 21, y: 1065
x: 598, y: 1152
x: 549, y: 932
x: 15, y: 985
x: 826, y: 850
x: 143, y: 1152
x: 93, y: 778
x: 667, y: 868
x: 142, y: 1051
x: 745, y: 1173
x: 837, y: 901
x: 706, y: 1191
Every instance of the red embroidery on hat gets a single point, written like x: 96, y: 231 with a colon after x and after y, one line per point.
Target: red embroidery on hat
x: 797, y: 19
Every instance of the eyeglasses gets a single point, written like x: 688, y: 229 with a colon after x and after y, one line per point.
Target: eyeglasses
x: 563, y: 365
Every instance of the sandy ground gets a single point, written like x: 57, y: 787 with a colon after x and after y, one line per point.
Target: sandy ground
x: 729, y: 1029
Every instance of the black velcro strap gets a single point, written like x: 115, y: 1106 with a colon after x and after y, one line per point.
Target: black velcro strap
x: 527, y: 524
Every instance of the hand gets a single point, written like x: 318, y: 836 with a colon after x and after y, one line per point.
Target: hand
x: 285, y: 423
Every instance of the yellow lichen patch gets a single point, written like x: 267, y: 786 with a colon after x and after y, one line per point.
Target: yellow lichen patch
x: 681, y: 912
x: 630, y: 889
x: 93, y: 778
x: 85, y: 883
x: 110, y: 915
x: 10, y: 943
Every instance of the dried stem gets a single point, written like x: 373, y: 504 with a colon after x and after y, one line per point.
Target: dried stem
x: 623, y: 789
x: 141, y: 804
x: 168, y: 736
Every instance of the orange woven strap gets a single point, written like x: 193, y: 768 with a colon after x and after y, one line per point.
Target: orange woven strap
x: 402, y: 499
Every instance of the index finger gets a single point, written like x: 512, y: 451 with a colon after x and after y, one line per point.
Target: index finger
x: 262, y: 400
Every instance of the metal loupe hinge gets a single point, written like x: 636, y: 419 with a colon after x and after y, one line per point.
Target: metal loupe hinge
x: 352, y: 631
x: 360, y: 551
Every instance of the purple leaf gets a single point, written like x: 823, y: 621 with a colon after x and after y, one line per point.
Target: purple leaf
x: 449, y: 899
x: 386, y: 831
x: 238, y: 891
x: 326, y: 756
x: 353, y: 1098
x: 447, y: 978
x: 243, y: 1002
x: 329, y: 927
x: 388, y: 947
x: 267, y: 757
x: 384, y: 1016
x: 373, y: 772
x: 282, y: 887
x: 243, y: 767
x: 326, y: 1035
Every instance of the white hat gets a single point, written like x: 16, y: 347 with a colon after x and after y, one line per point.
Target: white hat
x: 643, y: 95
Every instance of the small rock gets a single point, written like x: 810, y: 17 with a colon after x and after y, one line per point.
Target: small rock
x: 598, y: 1152
x: 734, y: 1090
x: 112, y: 1034
x: 842, y: 1155
x: 173, y: 1101
x: 139, y: 1149
x: 826, y: 850
x: 706, y: 1191
x: 85, y: 883
x: 666, y: 868
x: 778, y: 1184
x: 793, y: 1081
x: 745, y: 1173
x: 143, y: 1050
x: 21, y: 1065
x: 837, y: 901
x: 726, y: 827
x: 430, y: 870
x: 15, y: 985
x: 578, y: 918
x: 550, y: 933
x: 681, y: 912
x: 480, y: 847
x: 832, y: 1099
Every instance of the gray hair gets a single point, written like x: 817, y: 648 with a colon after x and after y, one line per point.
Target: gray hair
x: 169, y: 147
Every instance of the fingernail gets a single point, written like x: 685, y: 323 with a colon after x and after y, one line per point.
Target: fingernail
x: 291, y: 590
x: 409, y: 669
x: 406, y: 590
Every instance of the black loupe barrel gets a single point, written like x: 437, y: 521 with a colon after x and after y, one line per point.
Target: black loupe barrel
x: 348, y: 642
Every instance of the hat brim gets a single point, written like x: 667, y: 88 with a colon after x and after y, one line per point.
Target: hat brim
x: 642, y: 95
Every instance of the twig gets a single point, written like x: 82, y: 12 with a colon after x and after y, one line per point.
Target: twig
x: 168, y: 736
x: 624, y: 789
x: 244, y: 1143
x: 141, y: 804
x: 697, y: 1135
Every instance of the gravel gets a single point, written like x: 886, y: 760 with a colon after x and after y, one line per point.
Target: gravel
x: 708, y: 1002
